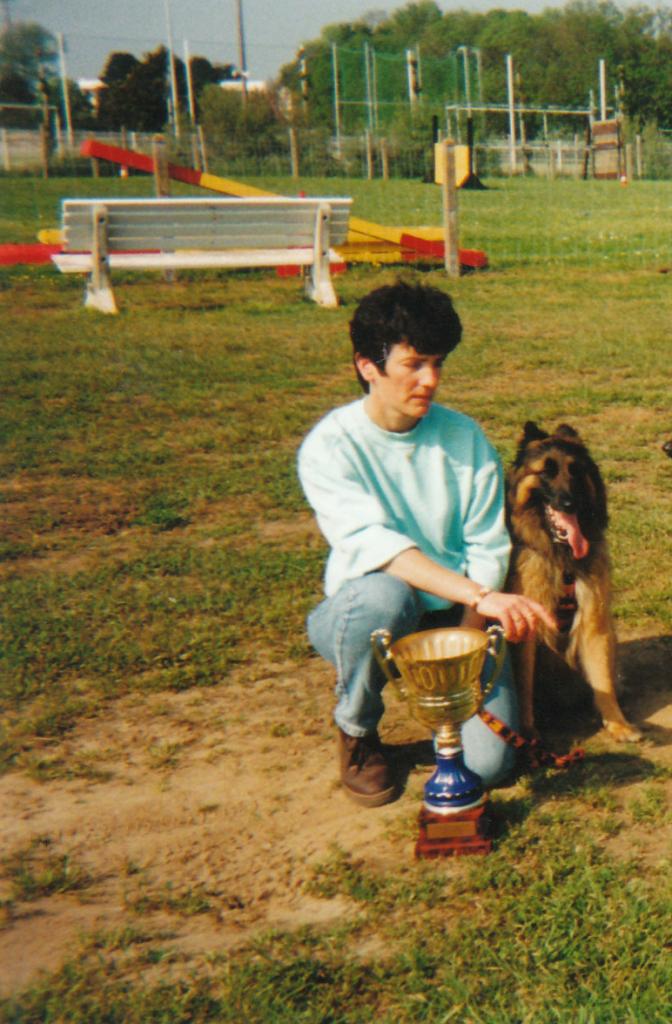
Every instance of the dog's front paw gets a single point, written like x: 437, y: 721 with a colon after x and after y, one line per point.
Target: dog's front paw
x: 623, y: 732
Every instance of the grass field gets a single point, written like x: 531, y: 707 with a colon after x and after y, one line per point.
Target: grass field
x: 155, y: 540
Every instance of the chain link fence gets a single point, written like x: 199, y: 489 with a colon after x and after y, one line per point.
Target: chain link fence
x: 406, y: 151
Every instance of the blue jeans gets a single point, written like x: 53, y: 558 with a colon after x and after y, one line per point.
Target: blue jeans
x: 340, y: 630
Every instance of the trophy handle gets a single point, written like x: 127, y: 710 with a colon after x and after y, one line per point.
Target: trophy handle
x: 381, y: 640
x: 496, y: 648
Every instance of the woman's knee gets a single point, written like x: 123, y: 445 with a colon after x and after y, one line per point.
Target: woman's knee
x: 393, y: 603
x: 375, y: 601
x: 492, y: 759
x: 485, y: 751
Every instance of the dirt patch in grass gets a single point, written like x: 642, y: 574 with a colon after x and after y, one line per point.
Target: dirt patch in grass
x: 196, y: 819
x: 32, y: 510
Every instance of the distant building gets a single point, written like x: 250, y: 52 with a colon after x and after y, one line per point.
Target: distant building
x: 91, y: 87
x: 236, y: 85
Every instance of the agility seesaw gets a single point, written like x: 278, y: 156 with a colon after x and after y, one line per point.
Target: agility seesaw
x: 367, y: 241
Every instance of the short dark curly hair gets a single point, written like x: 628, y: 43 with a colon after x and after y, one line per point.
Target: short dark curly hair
x: 420, y: 315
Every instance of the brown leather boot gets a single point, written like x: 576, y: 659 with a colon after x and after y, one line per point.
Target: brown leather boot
x: 365, y: 773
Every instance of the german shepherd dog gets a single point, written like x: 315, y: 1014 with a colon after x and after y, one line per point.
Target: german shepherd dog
x: 557, y: 517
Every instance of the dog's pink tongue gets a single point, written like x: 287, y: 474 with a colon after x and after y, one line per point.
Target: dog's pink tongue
x: 570, y: 526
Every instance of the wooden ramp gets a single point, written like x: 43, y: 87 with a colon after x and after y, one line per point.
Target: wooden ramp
x: 367, y: 241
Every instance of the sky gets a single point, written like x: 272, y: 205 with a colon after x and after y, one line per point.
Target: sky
x: 273, y: 30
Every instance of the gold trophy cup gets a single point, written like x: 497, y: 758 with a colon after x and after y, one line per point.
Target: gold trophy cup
x: 438, y: 673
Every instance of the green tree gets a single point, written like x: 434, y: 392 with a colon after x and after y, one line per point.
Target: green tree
x: 136, y: 99
x: 204, y: 73
x: 28, y: 50
x: 410, y: 24
x: 556, y: 57
x: 15, y: 88
x: 226, y: 118
x: 645, y: 66
x: 118, y: 67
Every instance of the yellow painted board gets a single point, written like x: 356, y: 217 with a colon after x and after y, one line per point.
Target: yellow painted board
x: 50, y: 236
x: 363, y: 232
x: 461, y: 164
x: 230, y: 187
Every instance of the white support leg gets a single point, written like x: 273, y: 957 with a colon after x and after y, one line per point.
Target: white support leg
x: 319, y: 286
x: 99, y: 294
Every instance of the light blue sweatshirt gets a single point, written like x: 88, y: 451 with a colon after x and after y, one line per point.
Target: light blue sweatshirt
x: 376, y: 493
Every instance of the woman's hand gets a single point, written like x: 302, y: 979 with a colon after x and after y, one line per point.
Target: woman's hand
x: 519, y: 616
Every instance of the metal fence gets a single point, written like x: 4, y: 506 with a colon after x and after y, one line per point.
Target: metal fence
x: 316, y: 153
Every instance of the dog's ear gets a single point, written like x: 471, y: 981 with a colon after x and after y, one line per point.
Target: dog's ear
x: 531, y: 432
x: 564, y: 430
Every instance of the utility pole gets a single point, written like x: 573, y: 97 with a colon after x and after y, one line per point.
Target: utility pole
x: 512, y: 112
x: 65, y: 89
x: 242, y: 59
x: 173, y: 78
x: 190, y: 84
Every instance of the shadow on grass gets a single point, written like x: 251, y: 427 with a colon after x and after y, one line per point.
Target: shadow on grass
x: 647, y: 685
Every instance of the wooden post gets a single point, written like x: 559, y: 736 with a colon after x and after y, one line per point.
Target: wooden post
x: 629, y: 162
x: 385, y: 159
x: 451, y: 257
x: 201, y: 145
x: 60, y: 148
x: 638, y: 155
x: 99, y: 294
x: 577, y: 157
x: 44, y: 127
x: 294, y: 152
x: 6, y: 161
x: 319, y: 286
x: 195, y: 155
x: 160, y: 157
x: 369, y: 156
x: 162, y: 183
x: 123, y: 169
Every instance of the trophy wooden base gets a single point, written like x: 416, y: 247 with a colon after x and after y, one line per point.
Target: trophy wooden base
x: 454, y: 835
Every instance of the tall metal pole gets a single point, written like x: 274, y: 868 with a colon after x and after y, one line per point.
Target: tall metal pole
x: 464, y: 50
x: 337, y: 97
x: 367, y: 78
x: 418, y: 68
x: 173, y: 78
x: 190, y: 84
x: 303, y: 76
x: 374, y: 82
x: 242, y: 59
x: 411, y: 76
x: 479, y: 73
x: 512, y: 112
x: 603, y: 90
x: 65, y: 89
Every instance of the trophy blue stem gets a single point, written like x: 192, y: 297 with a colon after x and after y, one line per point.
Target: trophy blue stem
x: 453, y: 787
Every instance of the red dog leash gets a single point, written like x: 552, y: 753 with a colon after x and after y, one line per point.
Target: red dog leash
x: 537, y: 756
